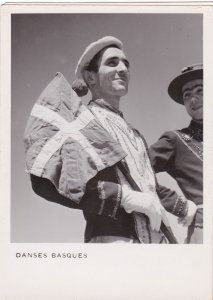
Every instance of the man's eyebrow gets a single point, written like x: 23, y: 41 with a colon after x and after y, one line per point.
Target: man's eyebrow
x: 189, y: 89
x: 112, y: 57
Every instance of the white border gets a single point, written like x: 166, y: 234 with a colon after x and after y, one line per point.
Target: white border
x: 109, y: 272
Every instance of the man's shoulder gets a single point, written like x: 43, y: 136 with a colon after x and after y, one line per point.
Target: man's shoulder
x: 170, y: 137
x: 170, y: 134
x: 184, y: 130
x: 175, y: 137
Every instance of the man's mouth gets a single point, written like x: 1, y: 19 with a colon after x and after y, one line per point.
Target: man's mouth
x: 196, y: 107
x: 121, y: 79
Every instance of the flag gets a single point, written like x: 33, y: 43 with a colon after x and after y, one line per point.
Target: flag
x: 65, y: 143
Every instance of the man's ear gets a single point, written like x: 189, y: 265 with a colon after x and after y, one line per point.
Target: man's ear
x: 89, y: 77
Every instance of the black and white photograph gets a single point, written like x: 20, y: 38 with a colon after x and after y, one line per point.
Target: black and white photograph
x: 161, y: 60
x: 105, y: 125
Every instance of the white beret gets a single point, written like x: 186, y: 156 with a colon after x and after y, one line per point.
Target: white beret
x: 92, y: 50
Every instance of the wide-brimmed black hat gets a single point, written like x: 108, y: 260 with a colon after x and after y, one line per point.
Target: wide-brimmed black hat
x: 187, y: 74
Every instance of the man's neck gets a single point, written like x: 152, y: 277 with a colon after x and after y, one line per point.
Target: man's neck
x: 113, y: 101
x: 200, y: 122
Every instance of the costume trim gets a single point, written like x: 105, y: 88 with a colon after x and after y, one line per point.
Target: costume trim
x: 181, y: 136
x: 175, y: 205
x: 198, y: 226
x: 180, y: 207
x: 200, y: 205
x: 105, y: 191
x: 102, y: 196
x: 118, y: 201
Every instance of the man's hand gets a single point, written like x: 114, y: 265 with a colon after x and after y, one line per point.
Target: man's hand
x: 146, y: 203
x: 192, y: 209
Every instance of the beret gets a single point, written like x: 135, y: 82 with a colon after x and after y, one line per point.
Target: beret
x: 188, y: 73
x: 92, y: 49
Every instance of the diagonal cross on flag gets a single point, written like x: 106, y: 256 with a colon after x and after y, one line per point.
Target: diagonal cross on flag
x: 64, y: 141
x: 66, y: 129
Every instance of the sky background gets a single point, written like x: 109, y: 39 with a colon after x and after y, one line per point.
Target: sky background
x: 158, y: 46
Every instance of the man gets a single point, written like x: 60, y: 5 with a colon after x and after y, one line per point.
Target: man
x: 180, y: 153
x: 113, y: 210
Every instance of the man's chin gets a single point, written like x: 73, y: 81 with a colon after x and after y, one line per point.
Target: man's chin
x: 121, y: 91
x: 197, y: 116
x: 198, y: 120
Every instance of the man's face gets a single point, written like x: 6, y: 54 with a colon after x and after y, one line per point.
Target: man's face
x: 113, y: 76
x: 193, y: 99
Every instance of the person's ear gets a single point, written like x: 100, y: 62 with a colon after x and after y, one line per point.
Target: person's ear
x: 89, y: 77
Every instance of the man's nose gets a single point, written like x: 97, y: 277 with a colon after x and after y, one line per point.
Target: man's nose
x: 122, y: 67
x: 194, y: 99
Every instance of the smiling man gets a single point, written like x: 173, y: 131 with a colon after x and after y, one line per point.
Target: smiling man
x: 106, y: 70
x: 180, y: 152
x: 114, y: 211
x: 111, y: 80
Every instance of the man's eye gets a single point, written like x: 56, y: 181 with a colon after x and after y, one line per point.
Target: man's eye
x: 199, y: 91
x: 126, y: 64
x: 112, y: 63
x: 186, y: 95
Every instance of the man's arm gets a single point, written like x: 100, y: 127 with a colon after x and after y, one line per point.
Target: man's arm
x: 162, y: 153
x: 178, y: 205
x: 172, y: 202
x: 162, y: 156
x: 102, y: 195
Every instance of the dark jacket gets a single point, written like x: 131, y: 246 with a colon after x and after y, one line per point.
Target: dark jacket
x: 100, y: 204
x: 179, y: 153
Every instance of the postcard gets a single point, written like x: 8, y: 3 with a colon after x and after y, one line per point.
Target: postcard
x: 67, y: 208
